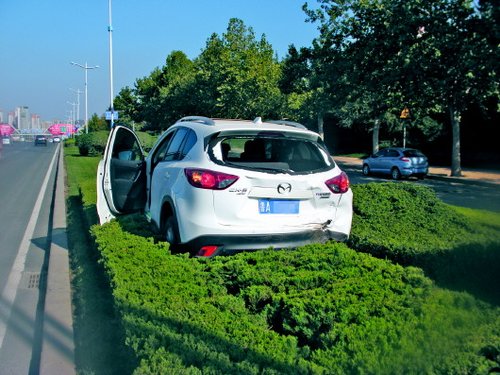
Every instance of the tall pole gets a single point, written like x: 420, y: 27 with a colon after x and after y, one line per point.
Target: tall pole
x: 86, y: 68
x: 73, y: 104
x: 111, y: 95
x: 78, y: 92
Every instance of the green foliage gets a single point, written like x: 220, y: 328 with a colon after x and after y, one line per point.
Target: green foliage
x: 97, y: 124
x: 92, y: 143
x: 319, y: 309
x: 235, y: 76
x: 147, y: 140
x: 405, y: 221
x: 433, y: 56
x: 408, y: 224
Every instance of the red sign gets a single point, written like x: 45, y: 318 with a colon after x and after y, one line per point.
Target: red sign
x: 6, y: 129
x: 61, y: 129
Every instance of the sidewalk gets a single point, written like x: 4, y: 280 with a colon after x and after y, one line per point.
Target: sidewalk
x: 475, y: 176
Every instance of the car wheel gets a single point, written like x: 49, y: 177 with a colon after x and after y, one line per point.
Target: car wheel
x: 366, y: 169
x: 171, y: 231
x: 395, y: 173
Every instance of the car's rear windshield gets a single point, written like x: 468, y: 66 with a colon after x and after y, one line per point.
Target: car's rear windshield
x: 412, y: 153
x: 271, y: 153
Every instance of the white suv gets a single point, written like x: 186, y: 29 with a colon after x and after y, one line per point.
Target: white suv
x: 214, y: 186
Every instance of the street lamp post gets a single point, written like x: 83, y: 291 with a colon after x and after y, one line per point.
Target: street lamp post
x: 73, y: 113
x: 78, y: 92
x: 86, y: 68
x: 110, y: 31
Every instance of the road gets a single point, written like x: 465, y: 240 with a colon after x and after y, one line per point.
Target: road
x: 27, y: 177
x: 478, y: 196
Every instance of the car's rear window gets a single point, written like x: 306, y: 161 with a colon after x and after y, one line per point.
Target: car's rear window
x: 271, y: 153
x: 412, y: 153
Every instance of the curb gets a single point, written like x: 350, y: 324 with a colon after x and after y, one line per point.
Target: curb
x: 462, y: 180
x: 58, y: 351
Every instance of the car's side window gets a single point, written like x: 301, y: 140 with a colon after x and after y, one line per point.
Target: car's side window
x: 159, y: 153
x: 392, y: 154
x: 126, y: 147
x: 174, y: 147
x: 189, y: 142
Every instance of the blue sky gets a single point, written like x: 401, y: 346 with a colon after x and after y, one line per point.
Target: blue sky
x: 39, y: 39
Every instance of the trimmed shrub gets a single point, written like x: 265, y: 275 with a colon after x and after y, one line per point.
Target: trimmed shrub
x: 315, y: 310
x: 408, y: 224
x: 92, y: 143
x: 319, y: 309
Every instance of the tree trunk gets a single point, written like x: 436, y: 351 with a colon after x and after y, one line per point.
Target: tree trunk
x: 455, y: 117
x: 375, y: 135
x: 320, y: 125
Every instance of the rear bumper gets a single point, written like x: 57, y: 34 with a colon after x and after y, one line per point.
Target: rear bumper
x: 414, y: 171
x: 228, y: 244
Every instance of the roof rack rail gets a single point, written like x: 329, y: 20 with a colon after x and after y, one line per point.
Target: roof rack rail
x: 288, y: 123
x: 200, y: 119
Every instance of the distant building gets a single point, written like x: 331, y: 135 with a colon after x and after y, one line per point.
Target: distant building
x: 23, y: 118
x: 11, y: 120
x: 35, y: 122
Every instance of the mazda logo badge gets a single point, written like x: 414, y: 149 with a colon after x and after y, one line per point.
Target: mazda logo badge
x: 284, y: 188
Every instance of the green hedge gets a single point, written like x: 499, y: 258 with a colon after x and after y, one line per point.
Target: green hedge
x: 94, y: 143
x: 318, y: 309
x: 408, y: 224
x: 405, y: 221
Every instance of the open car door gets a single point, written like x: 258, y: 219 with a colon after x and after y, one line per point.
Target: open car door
x: 121, y: 176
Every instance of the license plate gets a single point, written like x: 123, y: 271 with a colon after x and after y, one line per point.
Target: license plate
x: 278, y: 206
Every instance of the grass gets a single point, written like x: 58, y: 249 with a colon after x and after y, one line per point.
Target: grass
x: 99, y: 342
x: 483, y: 217
x: 355, y: 155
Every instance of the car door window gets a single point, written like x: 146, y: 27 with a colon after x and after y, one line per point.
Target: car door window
x: 392, y: 154
x: 126, y: 147
x: 189, y: 142
x: 159, y: 153
x: 174, y: 147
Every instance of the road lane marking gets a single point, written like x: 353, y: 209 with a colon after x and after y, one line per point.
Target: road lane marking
x: 10, y: 291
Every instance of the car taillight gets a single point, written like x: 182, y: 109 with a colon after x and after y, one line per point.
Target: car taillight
x: 404, y: 159
x: 339, y: 184
x: 206, y: 179
x: 207, y: 251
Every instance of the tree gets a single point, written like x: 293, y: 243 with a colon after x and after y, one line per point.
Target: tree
x: 431, y: 55
x: 97, y: 123
x: 126, y: 103
x: 237, y: 75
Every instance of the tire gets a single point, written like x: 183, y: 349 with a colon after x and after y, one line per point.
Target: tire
x: 171, y: 232
x: 366, y: 170
x: 395, y: 173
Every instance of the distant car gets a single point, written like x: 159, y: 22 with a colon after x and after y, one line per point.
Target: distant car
x: 214, y: 186
x: 397, y: 162
x: 40, y: 140
x: 5, y: 140
x: 56, y: 139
